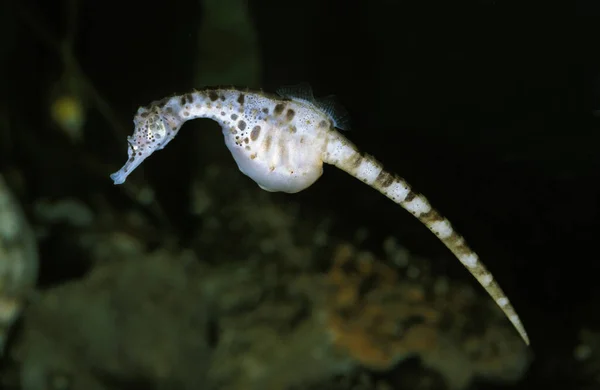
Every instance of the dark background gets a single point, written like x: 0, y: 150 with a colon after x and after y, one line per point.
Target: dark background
x: 486, y: 107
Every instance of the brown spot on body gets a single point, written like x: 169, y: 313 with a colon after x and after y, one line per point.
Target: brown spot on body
x: 246, y: 140
x: 289, y: 115
x: 323, y: 124
x: 265, y: 110
x: 457, y: 244
x: 430, y: 217
x: 268, y: 142
x: 182, y: 100
x: 279, y: 109
x: 293, y: 129
x: 252, y: 156
x: 189, y: 98
x: 255, y: 133
x: 384, y: 179
x: 355, y: 160
x: 241, y: 99
x: 212, y: 95
x: 410, y: 196
x: 186, y: 114
x: 242, y: 125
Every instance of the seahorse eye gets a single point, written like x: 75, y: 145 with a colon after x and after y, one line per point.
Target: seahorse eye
x: 156, y: 128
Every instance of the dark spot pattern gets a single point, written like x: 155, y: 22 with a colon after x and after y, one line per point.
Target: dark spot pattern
x: 384, y: 179
x: 430, y: 217
x: 255, y: 133
x: 356, y: 160
x: 212, y: 95
x: 410, y: 196
x: 458, y: 245
x: 279, y: 109
x: 241, y: 99
x: 234, y: 117
x: 242, y: 125
x: 289, y: 115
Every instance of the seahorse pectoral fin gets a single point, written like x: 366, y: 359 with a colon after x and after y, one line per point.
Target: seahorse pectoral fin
x: 338, y: 113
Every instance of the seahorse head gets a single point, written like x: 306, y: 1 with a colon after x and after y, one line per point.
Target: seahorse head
x: 152, y: 132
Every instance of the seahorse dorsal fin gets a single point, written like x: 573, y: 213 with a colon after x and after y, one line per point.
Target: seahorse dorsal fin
x: 338, y: 114
x: 301, y: 91
x: 329, y: 104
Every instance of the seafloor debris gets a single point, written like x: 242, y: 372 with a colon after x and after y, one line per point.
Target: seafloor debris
x: 133, y: 322
x: 263, y: 305
x: 381, y: 317
x: 18, y: 260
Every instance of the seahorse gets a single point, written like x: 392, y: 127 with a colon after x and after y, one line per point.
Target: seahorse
x: 282, y: 141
